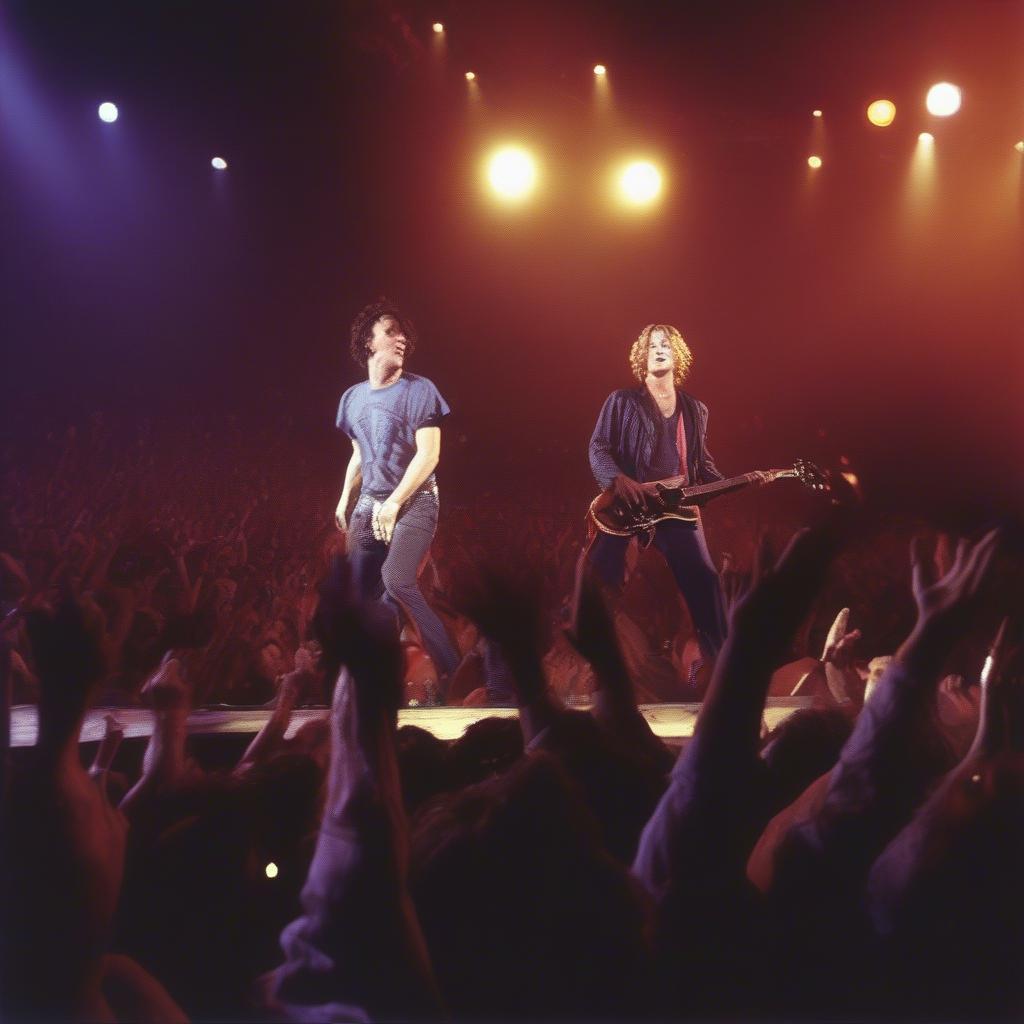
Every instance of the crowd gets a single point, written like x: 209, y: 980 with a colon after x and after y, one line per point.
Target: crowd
x: 202, y: 533
x: 859, y: 862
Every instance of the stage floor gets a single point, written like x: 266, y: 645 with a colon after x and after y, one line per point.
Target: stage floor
x: 671, y: 722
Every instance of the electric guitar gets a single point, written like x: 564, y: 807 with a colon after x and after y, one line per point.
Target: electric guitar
x: 676, y: 500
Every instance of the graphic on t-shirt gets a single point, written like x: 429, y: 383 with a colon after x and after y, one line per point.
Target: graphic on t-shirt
x: 382, y: 428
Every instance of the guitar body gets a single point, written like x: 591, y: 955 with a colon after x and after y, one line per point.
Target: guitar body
x: 610, y: 516
x: 676, y: 500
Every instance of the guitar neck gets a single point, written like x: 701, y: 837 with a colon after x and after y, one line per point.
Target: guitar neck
x: 719, y: 487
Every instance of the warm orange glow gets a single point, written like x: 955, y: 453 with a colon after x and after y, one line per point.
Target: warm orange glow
x: 881, y: 113
x: 512, y: 172
x: 943, y: 99
x: 640, y: 182
x: 600, y: 69
x: 438, y: 27
x: 814, y: 161
x: 926, y: 138
x: 470, y: 76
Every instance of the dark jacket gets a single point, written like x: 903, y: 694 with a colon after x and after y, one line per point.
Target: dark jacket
x: 626, y: 432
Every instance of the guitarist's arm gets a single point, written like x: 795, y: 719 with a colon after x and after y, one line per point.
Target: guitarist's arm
x: 607, y: 472
x: 602, y: 461
x: 353, y: 480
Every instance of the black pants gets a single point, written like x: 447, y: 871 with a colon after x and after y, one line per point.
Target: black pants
x: 388, y: 571
x: 686, y: 551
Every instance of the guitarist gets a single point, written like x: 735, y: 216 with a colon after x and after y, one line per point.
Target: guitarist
x: 651, y: 433
x: 393, y: 419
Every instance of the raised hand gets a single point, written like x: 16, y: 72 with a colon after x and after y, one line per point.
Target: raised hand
x: 507, y: 607
x: 113, y: 736
x: 66, y: 647
x: 946, y: 602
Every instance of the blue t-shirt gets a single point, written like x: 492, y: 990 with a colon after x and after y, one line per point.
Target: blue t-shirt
x: 384, y: 421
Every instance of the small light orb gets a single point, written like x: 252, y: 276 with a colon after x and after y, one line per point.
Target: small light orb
x: 926, y: 138
x: 219, y: 163
x: 881, y: 113
x: 816, y: 113
x: 1019, y: 146
x: 470, y: 76
x: 438, y: 27
x: 943, y: 99
x: 814, y: 161
x: 271, y: 870
x: 600, y: 69
x: 108, y: 112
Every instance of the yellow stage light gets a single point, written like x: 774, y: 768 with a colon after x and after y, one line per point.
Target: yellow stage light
x: 926, y: 137
x: 943, y: 99
x: 470, y: 76
x: 512, y: 172
x: 816, y: 113
x: 881, y: 113
x: 640, y: 182
x: 600, y: 69
x: 1019, y: 146
x: 438, y: 27
x: 271, y: 870
x: 814, y: 161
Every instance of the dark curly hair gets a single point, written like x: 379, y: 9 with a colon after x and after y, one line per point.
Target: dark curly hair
x: 362, y: 328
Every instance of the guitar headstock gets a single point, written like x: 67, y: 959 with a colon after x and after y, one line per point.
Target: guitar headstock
x: 810, y: 475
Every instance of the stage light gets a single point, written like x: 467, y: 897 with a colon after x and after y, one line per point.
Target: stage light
x: 1019, y: 146
x: 943, y: 99
x: 881, y: 113
x: 926, y: 138
x: 814, y: 161
x: 600, y: 69
x: 271, y: 870
x: 438, y: 27
x: 470, y: 76
x: 512, y: 172
x: 108, y: 112
x: 816, y: 113
x: 219, y: 163
x: 640, y: 182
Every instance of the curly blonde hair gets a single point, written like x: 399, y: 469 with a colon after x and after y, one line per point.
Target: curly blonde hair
x: 680, y: 350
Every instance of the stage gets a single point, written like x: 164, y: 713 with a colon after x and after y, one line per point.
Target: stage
x: 672, y: 723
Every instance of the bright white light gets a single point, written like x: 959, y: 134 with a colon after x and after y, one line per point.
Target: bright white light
x: 814, y: 161
x: 881, y: 113
x: 640, y: 182
x: 943, y: 99
x: 512, y: 172
x: 219, y: 163
x: 926, y: 138
x: 600, y: 69
x: 108, y: 112
x: 271, y: 870
x: 1019, y: 146
x: 816, y: 113
x: 470, y: 76
x: 438, y: 27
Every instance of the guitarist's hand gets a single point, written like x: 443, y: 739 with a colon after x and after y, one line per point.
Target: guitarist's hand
x: 635, y: 495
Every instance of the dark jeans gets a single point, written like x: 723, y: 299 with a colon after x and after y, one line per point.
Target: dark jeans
x: 686, y: 552
x: 388, y: 571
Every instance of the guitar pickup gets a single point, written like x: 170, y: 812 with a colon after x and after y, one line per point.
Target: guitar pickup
x: 671, y: 496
